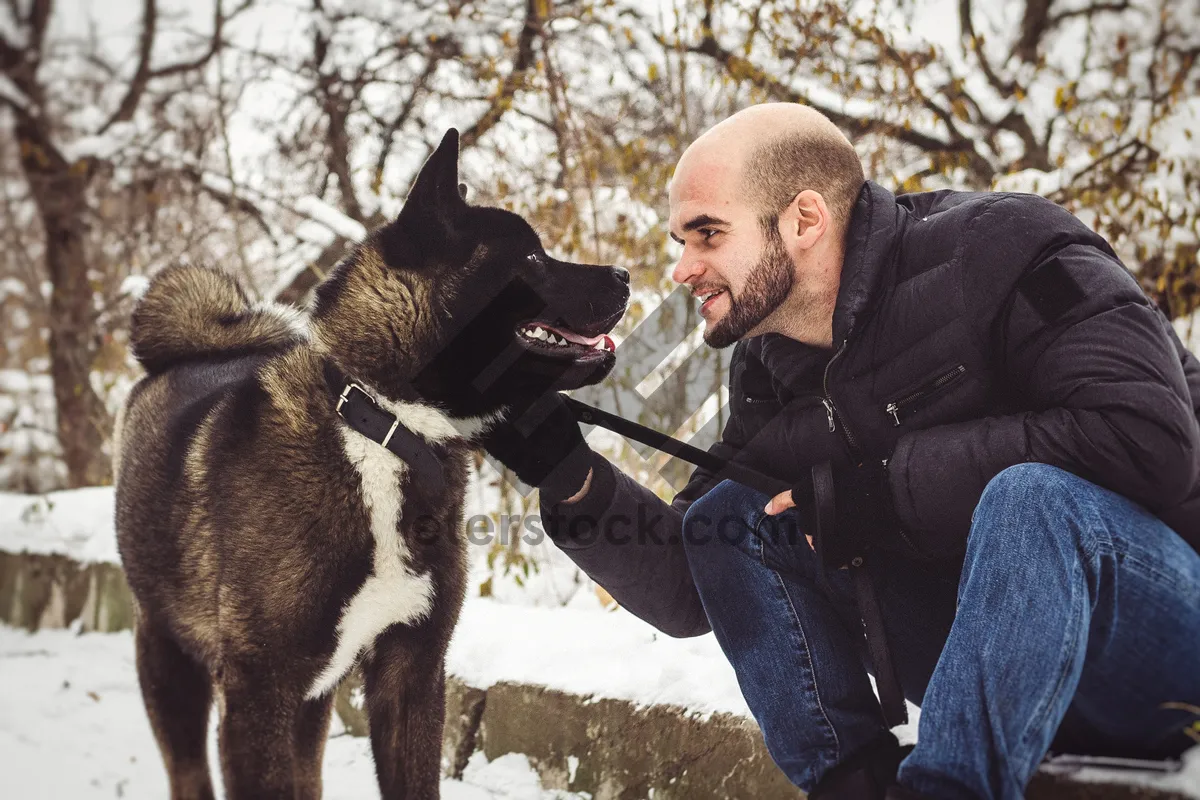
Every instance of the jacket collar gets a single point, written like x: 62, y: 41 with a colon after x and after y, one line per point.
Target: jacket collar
x: 872, y: 236
x: 871, y: 241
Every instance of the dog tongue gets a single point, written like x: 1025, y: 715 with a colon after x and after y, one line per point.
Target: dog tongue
x: 576, y: 338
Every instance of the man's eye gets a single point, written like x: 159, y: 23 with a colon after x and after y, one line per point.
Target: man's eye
x: 708, y: 233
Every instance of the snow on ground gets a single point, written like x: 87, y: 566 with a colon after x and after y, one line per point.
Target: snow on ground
x: 72, y: 726
x: 72, y: 723
x: 76, y: 696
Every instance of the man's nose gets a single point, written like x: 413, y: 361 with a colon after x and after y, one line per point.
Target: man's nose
x: 686, y: 267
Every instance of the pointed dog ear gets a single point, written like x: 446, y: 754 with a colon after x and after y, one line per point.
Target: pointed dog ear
x: 427, y: 223
x: 434, y: 197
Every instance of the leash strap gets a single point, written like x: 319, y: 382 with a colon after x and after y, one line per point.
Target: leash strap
x: 720, y: 467
x: 891, y: 697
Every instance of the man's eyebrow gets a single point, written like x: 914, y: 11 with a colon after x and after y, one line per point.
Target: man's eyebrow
x: 702, y: 221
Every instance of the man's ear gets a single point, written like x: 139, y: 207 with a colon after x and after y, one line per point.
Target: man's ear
x: 434, y: 198
x: 805, y: 220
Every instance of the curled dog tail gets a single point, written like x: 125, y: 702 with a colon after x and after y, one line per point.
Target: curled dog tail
x: 189, y: 313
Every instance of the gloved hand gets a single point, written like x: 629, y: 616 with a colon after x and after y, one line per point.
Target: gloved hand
x: 544, y: 447
x: 863, y: 513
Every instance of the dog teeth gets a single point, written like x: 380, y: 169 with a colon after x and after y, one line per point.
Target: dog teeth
x: 560, y: 341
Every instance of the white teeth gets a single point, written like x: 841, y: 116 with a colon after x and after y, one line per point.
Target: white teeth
x: 560, y: 341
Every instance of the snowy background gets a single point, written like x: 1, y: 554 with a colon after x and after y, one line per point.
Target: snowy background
x: 267, y: 136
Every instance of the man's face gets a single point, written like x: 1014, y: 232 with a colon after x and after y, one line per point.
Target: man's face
x: 726, y: 251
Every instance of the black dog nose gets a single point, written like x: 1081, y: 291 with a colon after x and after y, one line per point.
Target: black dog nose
x: 622, y: 273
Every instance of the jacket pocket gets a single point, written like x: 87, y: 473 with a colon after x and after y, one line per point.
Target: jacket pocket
x: 901, y: 407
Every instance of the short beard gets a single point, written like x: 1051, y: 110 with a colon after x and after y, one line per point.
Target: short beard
x: 767, y: 287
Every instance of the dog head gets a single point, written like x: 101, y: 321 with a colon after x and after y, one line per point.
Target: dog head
x: 463, y: 303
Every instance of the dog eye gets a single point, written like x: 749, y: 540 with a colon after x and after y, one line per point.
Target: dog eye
x: 534, y: 258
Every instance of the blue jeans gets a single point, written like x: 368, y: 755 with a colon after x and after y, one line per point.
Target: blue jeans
x: 1076, y: 615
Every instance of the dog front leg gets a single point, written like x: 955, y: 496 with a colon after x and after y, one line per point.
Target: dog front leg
x: 405, y: 687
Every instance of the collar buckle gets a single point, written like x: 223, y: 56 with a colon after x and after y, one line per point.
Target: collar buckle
x: 345, y: 396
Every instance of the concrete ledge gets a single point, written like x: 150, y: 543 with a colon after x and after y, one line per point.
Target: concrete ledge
x: 53, y: 591
x: 610, y: 748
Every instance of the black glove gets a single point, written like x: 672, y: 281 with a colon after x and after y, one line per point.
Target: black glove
x: 544, y: 447
x: 850, y: 509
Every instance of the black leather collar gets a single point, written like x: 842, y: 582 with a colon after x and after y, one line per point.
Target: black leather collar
x: 355, y: 405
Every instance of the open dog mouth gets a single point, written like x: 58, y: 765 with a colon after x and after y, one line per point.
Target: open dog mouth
x: 542, y: 338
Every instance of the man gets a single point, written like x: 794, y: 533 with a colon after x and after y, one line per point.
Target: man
x: 1012, y: 428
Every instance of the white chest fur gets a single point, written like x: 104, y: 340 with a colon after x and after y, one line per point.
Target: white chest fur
x: 393, y: 593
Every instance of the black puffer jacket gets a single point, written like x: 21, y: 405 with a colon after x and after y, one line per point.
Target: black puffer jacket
x: 973, y: 332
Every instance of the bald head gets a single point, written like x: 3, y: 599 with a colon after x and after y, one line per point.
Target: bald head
x: 777, y: 150
x: 760, y: 204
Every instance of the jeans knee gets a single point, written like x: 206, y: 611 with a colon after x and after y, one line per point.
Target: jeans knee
x: 723, y: 514
x: 1033, y: 496
x: 727, y: 499
x: 1032, y: 482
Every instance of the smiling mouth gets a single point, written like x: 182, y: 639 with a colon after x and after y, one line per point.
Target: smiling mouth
x: 708, y: 298
x: 549, y: 340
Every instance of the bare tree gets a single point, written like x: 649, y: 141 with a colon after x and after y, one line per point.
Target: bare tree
x: 60, y: 179
x: 1078, y: 102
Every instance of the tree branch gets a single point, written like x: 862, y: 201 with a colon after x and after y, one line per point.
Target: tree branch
x: 967, y: 26
x: 1034, y: 25
x: 141, y: 75
x: 1087, y: 11
x: 215, y: 43
x: 10, y: 55
x: 739, y: 67
x: 512, y: 82
x: 39, y: 20
x: 144, y: 74
x: 389, y: 131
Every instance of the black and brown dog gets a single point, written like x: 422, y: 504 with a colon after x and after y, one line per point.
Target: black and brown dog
x: 290, y: 486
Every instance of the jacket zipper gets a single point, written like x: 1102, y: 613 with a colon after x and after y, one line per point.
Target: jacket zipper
x: 896, y: 406
x: 831, y: 410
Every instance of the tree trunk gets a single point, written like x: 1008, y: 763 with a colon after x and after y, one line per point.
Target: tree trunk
x: 60, y: 192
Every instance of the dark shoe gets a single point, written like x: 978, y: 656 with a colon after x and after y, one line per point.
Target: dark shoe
x: 866, y: 774
x: 898, y: 792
